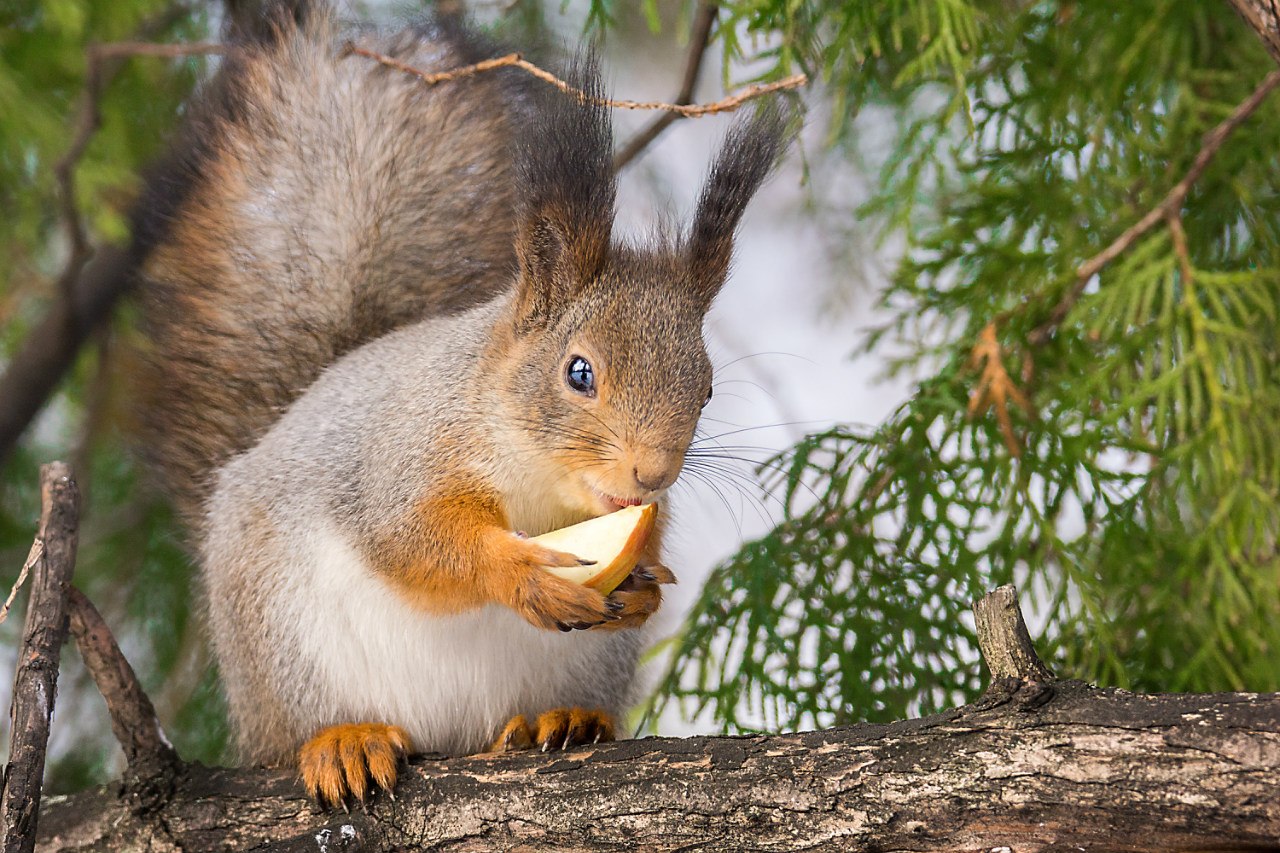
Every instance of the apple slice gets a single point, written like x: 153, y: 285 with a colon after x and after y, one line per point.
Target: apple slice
x: 613, y: 541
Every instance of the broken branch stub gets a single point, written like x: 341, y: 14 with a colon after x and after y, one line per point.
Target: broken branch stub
x: 1004, y: 639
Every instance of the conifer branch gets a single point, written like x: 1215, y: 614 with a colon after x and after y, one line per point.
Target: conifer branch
x: 1172, y: 203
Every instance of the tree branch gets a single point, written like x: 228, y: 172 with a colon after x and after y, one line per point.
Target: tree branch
x: 1172, y: 203
x: 1264, y: 17
x: 699, y: 38
x: 35, y: 683
x: 133, y: 718
x: 91, y: 280
x: 1094, y: 769
x: 51, y: 347
x: 726, y: 104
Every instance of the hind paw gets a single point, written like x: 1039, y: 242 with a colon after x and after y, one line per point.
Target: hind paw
x: 342, y: 760
x: 556, y: 730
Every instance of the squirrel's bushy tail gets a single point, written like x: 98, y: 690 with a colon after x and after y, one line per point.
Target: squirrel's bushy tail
x: 316, y: 199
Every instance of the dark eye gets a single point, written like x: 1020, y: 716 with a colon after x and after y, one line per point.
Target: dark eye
x: 580, y: 376
x: 708, y: 400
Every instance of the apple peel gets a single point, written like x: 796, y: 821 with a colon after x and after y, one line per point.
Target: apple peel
x: 613, y: 542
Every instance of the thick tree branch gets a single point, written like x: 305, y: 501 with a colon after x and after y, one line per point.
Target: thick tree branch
x: 92, y: 280
x: 51, y: 347
x: 35, y: 683
x: 1032, y: 770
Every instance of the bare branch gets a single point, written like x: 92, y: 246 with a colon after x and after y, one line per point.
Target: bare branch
x: 122, y: 49
x: 35, y: 683
x: 51, y: 347
x: 103, y: 62
x: 1172, y: 202
x: 514, y: 60
x: 92, y: 280
x: 698, y: 41
x: 133, y: 717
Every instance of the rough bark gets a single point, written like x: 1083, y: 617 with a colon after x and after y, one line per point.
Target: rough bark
x: 1045, y: 767
x: 1264, y: 17
x: 35, y: 682
x: 1004, y: 638
x: 133, y: 717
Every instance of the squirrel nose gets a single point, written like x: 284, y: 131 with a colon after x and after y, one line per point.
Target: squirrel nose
x: 647, y: 485
x: 657, y: 472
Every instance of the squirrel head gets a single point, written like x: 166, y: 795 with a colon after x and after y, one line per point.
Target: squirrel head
x: 606, y: 353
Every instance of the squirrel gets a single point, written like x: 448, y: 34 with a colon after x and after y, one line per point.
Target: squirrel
x: 389, y: 337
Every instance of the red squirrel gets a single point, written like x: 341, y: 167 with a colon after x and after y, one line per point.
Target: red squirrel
x: 389, y: 331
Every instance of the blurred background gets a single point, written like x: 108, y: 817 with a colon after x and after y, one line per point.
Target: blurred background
x: 917, y: 396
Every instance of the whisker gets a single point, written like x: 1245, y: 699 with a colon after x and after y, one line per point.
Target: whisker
x: 760, y: 355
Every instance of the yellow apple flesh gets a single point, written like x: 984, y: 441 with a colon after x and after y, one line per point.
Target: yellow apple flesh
x: 612, y: 541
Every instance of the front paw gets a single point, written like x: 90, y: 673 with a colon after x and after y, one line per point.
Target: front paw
x: 341, y: 760
x: 639, y: 596
x: 545, y: 600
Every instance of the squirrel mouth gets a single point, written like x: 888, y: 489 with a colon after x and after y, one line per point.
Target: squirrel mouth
x: 616, y: 503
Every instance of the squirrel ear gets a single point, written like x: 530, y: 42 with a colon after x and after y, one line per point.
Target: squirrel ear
x: 569, y: 187
x: 750, y: 151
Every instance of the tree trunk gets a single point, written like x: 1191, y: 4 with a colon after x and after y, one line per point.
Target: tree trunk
x: 1040, y: 766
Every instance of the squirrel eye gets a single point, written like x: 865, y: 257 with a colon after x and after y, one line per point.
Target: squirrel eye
x: 708, y: 400
x: 580, y: 377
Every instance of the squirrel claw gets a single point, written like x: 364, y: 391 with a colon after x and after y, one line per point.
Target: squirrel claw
x: 556, y: 730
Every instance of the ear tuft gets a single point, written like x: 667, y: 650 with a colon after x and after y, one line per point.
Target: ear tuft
x: 748, y: 155
x: 565, y: 163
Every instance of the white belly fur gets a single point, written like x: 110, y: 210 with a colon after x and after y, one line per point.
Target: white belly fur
x: 452, y: 681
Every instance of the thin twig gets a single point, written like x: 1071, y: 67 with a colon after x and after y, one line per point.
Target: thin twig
x: 117, y: 49
x: 36, y: 552
x: 698, y: 41
x: 133, y: 717
x: 1173, y: 201
x: 35, y: 683
x: 514, y: 60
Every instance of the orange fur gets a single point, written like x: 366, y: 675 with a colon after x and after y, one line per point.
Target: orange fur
x: 456, y: 553
x: 560, y: 728
x: 341, y: 760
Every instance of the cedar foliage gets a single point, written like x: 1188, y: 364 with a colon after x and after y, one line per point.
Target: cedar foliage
x: 1123, y: 471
